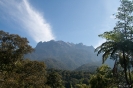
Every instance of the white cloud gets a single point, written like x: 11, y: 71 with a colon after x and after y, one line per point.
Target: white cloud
x: 30, y: 19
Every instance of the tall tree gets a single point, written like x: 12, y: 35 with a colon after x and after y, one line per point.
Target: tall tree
x: 26, y: 74
x: 12, y: 49
x: 102, y: 78
x: 120, y: 40
x: 32, y: 74
x: 54, y: 80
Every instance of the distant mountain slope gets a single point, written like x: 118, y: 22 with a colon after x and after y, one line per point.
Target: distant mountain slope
x: 69, y: 54
x: 90, y: 67
x: 52, y: 63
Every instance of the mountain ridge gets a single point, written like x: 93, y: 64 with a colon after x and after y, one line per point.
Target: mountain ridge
x: 69, y: 54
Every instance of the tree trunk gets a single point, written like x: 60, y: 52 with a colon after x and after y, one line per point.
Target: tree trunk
x: 129, y: 77
x: 125, y: 68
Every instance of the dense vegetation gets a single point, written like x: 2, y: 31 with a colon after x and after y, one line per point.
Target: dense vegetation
x: 17, y: 72
x: 119, y: 42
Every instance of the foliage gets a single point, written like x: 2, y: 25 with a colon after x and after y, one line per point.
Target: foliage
x: 72, y: 79
x: 14, y: 71
x: 12, y: 49
x: 54, y: 80
x: 81, y: 86
x: 119, y: 41
x: 27, y: 74
x: 102, y: 78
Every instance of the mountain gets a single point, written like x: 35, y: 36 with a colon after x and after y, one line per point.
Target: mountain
x: 69, y: 55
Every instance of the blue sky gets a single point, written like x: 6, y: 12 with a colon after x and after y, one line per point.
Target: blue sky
x: 73, y: 21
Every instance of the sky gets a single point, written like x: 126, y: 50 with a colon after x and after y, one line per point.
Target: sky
x: 74, y: 21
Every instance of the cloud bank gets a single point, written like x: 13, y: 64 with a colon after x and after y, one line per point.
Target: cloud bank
x: 28, y: 18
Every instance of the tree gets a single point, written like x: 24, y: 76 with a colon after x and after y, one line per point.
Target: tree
x: 32, y: 74
x: 12, y: 49
x: 27, y: 74
x: 103, y: 78
x: 54, y: 80
x: 120, y: 40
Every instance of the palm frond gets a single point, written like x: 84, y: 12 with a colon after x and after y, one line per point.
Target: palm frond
x: 104, y: 47
x: 106, y: 55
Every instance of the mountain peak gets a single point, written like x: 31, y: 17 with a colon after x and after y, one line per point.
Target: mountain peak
x: 70, y: 54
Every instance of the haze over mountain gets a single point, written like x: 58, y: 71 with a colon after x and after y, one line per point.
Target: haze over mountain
x: 64, y: 55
